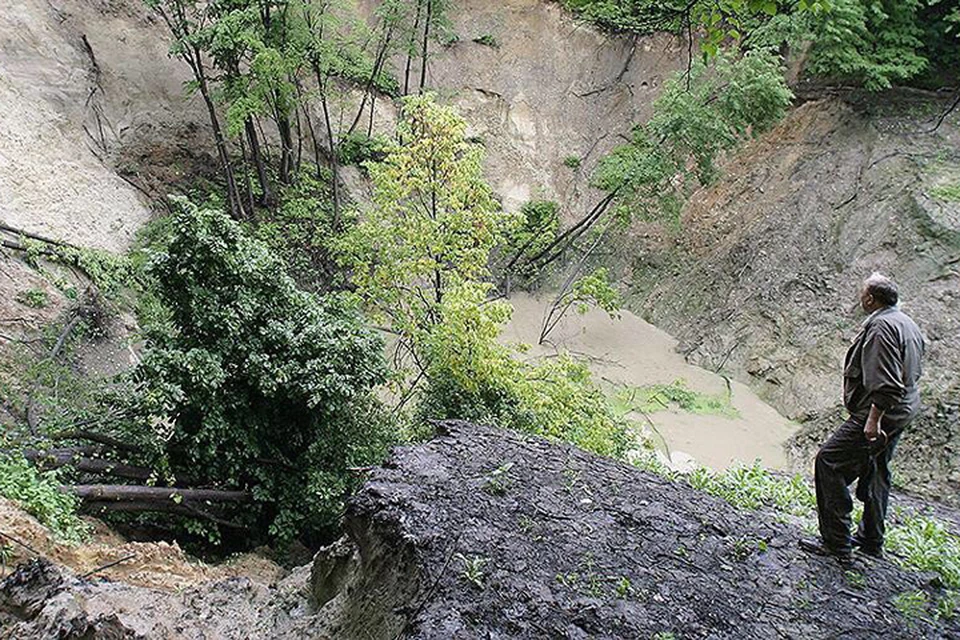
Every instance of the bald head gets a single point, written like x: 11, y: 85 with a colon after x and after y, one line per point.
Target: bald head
x: 878, y: 291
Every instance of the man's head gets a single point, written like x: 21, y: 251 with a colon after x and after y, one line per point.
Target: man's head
x: 878, y: 291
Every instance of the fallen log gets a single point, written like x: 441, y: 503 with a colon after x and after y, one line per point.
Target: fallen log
x: 75, y: 457
x: 92, y: 436
x: 146, y: 506
x: 119, y: 493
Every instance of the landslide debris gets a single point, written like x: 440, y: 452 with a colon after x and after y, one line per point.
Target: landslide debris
x: 483, y: 533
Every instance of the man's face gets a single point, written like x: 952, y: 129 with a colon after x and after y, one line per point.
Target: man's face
x: 867, y: 302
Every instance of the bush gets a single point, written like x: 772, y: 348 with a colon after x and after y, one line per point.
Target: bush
x: 39, y: 495
x: 250, y: 382
x: 357, y: 148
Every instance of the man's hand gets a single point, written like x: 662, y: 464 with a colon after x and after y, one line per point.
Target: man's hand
x: 872, y: 430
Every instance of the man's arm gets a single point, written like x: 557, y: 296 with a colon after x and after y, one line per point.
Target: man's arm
x: 881, y: 362
x: 872, y: 429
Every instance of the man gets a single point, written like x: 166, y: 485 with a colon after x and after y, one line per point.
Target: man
x: 880, y: 376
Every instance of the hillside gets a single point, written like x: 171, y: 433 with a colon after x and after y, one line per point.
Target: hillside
x: 744, y: 293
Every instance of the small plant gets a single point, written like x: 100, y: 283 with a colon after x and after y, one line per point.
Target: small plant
x: 6, y: 551
x: 855, y: 579
x: 742, y: 548
x: 912, y: 605
x: 526, y: 524
x: 664, y: 635
x: 572, y: 162
x: 948, y: 605
x: 357, y: 148
x: 947, y: 192
x: 498, y: 481
x: 33, y: 298
x: 472, y: 571
x: 488, y: 40
x: 623, y: 588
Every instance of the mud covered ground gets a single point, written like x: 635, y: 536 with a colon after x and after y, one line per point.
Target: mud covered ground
x: 482, y: 533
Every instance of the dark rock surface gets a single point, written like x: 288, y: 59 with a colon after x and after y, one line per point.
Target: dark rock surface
x: 569, y: 545
x: 483, y: 533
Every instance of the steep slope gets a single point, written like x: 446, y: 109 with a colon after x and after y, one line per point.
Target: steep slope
x: 486, y: 533
x: 763, y: 282
x: 551, y: 87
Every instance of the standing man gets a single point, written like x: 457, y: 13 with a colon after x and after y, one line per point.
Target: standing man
x: 880, y: 376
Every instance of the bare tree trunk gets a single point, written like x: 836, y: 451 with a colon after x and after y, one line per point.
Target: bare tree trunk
x: 377, y: 68
x: 233, y: 196
x: 266, y: 198
x: 426, y: 44
x: 410, y: 45
x: 331, y: 139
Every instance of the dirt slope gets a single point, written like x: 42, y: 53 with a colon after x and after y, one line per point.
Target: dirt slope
x: 558, y: 544
x: 764, y: 282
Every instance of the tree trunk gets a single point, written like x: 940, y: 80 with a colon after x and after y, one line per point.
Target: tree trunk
x: 137, y: 493
x: 334, y: 162
x: 377, y: 67
x: 286, y: 143
x: 233, y: 195
x: 266, y: 198
x: 410, y: 44
x: 426, y: 45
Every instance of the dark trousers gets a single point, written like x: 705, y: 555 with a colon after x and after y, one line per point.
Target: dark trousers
x: 849, y: 456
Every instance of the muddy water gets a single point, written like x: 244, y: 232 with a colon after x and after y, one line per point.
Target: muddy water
x: 630, y: 351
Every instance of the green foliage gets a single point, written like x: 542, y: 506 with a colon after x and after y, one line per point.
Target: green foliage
x: 253, y: 383
x: 660, y: 397
x: 358, y: 148
x: 717, y: 20
x: 912, y: 605
x: 872, y: 43
x: 572, y: 162
x: 926, y: 544
x: 472, y: 569
x: 949, y: 192
x: 299, y: 229
x: 33, y: 298
x: 419, y: 257
x: 488, y: 40
x: 737, y: 98
x: 39, y: 495
x: 498, y: 481
x: 754, y: 487
x: 538, y: 227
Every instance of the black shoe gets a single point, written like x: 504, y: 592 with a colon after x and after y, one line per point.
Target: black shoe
x: 820, y: 549
x: 867, y: 548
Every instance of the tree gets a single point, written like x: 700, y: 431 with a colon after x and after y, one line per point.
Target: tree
x: 185, y: 19
x: 251, y: 383
x: 419, y: 260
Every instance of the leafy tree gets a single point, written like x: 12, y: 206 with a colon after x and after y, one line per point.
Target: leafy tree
x: 252, y: 383
x: 419, y: 259
x: 185, y: 19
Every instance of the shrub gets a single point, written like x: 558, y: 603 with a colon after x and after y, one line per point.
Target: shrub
x: 357, y: 148
x: 39, y: 495
x: 487, y: 40
x: 250, y: 382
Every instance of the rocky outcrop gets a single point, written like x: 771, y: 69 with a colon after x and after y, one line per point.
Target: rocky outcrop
x: 483, y: 533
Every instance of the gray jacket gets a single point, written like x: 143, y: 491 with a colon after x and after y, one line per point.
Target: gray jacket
x: 883, y: 367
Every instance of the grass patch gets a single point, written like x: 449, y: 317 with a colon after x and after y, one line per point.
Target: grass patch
x: 33, y: 298
x: 947, y: 192
x: 676, y: 395
x: 915, y: 541
x: 572, y: 162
